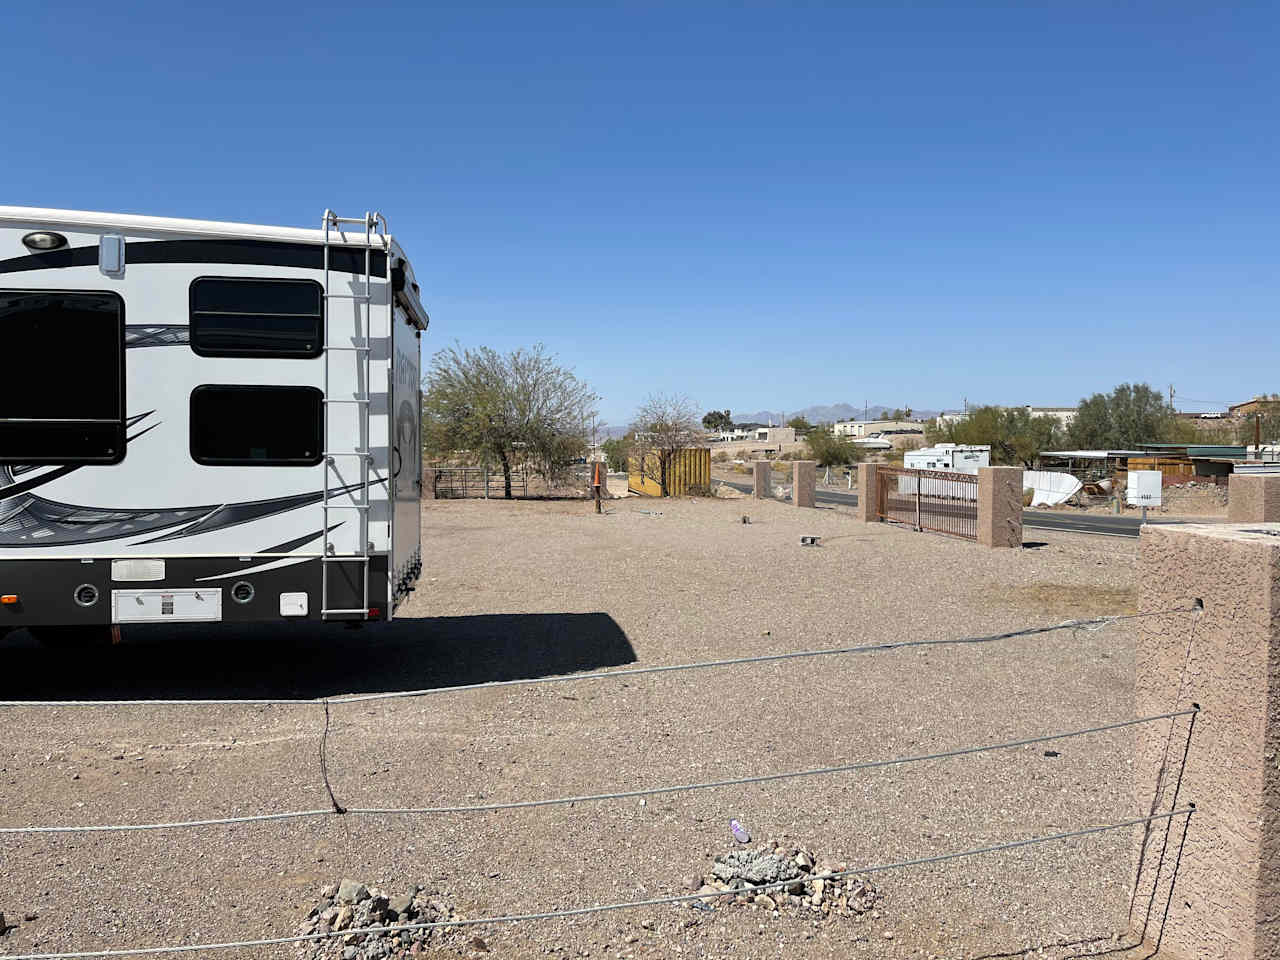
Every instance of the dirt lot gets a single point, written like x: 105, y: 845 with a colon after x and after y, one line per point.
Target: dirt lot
x: 523, y: 590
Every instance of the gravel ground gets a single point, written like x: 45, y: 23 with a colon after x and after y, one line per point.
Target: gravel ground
x: 520, y: 590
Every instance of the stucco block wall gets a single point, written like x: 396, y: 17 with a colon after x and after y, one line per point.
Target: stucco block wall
x: 762, y: 480
x: 1253, y: 499
x: 867, y: 492
x: 1000, y: 506
x: 804, y: 479
x: 1226, y: 905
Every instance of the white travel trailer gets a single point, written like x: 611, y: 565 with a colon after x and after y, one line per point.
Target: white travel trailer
x: 205, y: 421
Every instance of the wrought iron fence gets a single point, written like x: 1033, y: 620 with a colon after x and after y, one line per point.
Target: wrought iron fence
x: 935, y: 500
x: 462, y: 482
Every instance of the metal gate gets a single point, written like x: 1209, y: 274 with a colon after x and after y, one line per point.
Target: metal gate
x: 935, y: 500
x: 460, y: 482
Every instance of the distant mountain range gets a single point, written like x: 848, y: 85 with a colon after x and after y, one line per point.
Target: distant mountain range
x: 825, y: 413
x: 818, y: 413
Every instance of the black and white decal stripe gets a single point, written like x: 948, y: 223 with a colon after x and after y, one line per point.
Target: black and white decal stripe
x: 271, y: 253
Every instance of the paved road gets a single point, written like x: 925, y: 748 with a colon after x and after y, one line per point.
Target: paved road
x: 1039, y: 519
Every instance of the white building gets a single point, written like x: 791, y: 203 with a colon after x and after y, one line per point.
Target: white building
x: 1064, y: 415
x: 865, y: 428
x: 956, y: 457
x: 775, y: 435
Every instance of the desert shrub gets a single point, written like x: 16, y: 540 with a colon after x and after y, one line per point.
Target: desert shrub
x: 721, y: 456
x: 830, y: 450
x: 1027, y: 496
x: 699, y: 490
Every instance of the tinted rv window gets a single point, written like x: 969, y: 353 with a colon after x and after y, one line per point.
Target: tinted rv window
x: 243, y: 317
x: 256, y: 426
x: 62, y: 387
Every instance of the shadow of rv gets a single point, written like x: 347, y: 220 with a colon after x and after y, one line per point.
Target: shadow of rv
x: 290, y: 661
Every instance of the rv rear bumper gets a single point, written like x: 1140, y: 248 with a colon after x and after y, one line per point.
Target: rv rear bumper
x: 100, y: 591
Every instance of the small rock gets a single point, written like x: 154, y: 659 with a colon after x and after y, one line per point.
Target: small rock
x: 351, y: 891
x: 647, y: 924
x: 888, y: 934
x: 477, y: 943
x: 692, y: 883
x: 350, y: 953
x: 804, y: 861
x: 30, y: 917
x: 766, y: 901
x: 401, y: 906
x: 329, y: 891
x: 343, y: 919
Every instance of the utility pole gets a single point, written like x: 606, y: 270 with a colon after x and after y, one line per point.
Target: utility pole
x: 1257, y: 434
x: 1171, y: 406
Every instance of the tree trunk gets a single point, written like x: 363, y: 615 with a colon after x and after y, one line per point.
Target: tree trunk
x: 662, y: 466
x: 506, y: 473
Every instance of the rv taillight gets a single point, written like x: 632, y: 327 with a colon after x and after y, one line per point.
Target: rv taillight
x: 9, y: 599
x: 375, y: 612
x: 44, y: 240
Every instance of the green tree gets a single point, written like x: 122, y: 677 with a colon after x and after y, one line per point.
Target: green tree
x: 1129, y: 415
x: 615, y: 452
x: 717, y: 420
x: 1015, y: 437
x: 830, y: 450
x: 520, y: 407
x: 800, y: 425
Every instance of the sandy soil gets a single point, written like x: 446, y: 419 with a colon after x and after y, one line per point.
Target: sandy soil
x: 522, y: 590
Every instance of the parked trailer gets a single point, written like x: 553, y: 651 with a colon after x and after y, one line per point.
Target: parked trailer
x: 205, y: 422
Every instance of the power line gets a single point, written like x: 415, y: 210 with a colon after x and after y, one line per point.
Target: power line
x: 613, y: 674
x: 616, y: 795
x: 604, y: 908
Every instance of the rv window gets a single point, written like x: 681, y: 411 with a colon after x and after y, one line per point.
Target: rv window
x: 62, y: 391
x: 256, y: 426
x: 243, y: 317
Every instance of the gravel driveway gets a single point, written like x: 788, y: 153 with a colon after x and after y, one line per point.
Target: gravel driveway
x: 529, y: 589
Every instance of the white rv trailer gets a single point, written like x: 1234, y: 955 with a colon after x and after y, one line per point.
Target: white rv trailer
x: 205, y: 421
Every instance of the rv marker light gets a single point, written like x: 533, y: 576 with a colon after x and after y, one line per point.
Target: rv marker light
x: 44, y: 240
x: 9, y: 599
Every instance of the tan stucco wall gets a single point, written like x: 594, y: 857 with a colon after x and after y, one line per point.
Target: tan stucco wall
x: 1227, y: 658
x: 1253, y: 499
x: 804, y: 478
x: 1000, y: 506
x: 867, y: 492
x: 762, y: 480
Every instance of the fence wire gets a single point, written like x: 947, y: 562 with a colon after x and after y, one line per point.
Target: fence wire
x: 613, y: 674
x: 336, y: 810
x: 607, y: 907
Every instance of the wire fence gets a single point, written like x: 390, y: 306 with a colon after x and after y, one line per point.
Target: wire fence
x: 336, y: 809
x: 609, y: 907
x: 613, y: 674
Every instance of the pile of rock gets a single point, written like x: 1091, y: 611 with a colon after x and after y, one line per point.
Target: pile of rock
x: 351, y: 905
x: 746, y: 870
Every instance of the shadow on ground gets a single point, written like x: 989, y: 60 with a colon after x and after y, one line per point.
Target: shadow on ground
x: 289, y: 661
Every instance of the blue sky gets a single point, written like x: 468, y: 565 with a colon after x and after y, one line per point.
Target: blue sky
x: 756, y: 205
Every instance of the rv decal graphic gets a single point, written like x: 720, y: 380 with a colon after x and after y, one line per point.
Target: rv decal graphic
x: 30, y: 521
x: 156, y: 335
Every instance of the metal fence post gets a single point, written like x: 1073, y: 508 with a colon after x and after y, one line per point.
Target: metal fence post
x: 486, y: 481
x: 919, y: 525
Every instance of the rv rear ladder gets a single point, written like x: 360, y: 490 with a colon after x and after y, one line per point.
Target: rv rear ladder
x: 375, y: 229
